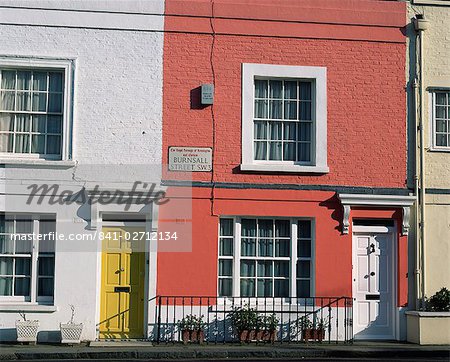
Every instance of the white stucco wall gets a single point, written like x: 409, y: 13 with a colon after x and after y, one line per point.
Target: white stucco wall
x: 117, y: 48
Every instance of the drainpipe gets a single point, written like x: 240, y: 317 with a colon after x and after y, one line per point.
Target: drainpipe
x: 420, y: 25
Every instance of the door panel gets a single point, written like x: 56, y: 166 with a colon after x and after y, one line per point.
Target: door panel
x: 373, y: 285
x: 122, y: 290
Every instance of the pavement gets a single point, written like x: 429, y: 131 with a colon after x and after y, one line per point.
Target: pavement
x: 147, y: 351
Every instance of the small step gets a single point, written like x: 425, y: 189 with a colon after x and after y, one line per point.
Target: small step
x: 120, y: 343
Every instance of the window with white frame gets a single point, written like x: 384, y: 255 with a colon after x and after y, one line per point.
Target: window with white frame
x: 261, y: 257
x: 34, y: 110
x: 441, y: 119
x: 284, y: 118
x: 27, y: 258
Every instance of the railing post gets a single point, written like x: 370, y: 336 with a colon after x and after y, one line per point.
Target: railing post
x: 159, y: 320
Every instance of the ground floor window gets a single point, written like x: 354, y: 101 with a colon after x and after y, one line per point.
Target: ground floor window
x: 27, y: 258
x: 261, y: 257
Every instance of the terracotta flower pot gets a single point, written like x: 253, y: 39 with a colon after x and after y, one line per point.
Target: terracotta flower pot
x: 243, y: 335
x: 193, y: 335
x: 314, y: 334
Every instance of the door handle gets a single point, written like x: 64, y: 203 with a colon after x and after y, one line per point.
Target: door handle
x: 372, y: 274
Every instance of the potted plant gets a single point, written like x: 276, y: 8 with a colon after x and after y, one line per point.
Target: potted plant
x: 313, y: 330
x: 27, y: 330
x: 191, y: 328
x: 423, y: 326
x: 268, y: 329
x: 70, y: 331
x: 245, y: 321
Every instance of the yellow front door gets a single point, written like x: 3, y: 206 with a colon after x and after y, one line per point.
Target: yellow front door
x: 122, y: 289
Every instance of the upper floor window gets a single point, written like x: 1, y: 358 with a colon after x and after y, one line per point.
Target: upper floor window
x: 284, y: 118
x: 34, y: 109
x: 441, y: 119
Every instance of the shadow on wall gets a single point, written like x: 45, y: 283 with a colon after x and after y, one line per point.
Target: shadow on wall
x: 10, y: 335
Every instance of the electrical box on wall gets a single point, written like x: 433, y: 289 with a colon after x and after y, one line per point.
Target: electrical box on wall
x: 207, y: 94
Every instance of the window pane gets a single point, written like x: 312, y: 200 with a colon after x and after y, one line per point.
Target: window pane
x: 289, y: 131
x: 260, y: 130
x: 23, y: 80
x: 226, y: 247
x: 305, y: 111
x: 6, y: 245
x: 276, y: 87
x: 282, y: 269
x: 7, y: 101
x: 23, y: 266
x: 260, y: 150
x: 305, y: 91
x: 40, y: 102
x: 265, y: 269
x: 275, y: 149
x: 265, y: 247
x: 45, y: 287
x: 290, y: 90
x: 260, y: 88
x: 303, y: 289
x: 282, y: 228
x: 24, y: 225
x: 54, y: 124
x: 265, y: 228
x: 6, y: 142
x: 247, y: 287
x: 23, y: 101
x: 289, y: 151
x: 22, y: 286
x: 304, y: 248
x: 290, y: 110
x: 6, y: 266
x: 303, y: 269
x: 54, y: 145
x: 6, y: 122
x: 23, y: 123
x: 56, y: 80
x: 38, y: 144
x: 260, y: 109
x: 304, y: 152
x: 441, y: 140
x: 226, y: 268
x: 304, y: 229
x: 281, y: 288
x: 55, y: 102
x: 247, y: 268
x: 441, y: 98
x: 46, y: 266
x: 40, y: 81
x: 304, y: 131
x: 275, y: 109
x: 5, y: 285
x: 248, y: 227
x: 441, y: 112
x: 275, y: 130
x: 225, y: 287
x: 39, y: 124
x: 47, y: 230
x: 8, y: 79
x: 264, y: 287
x: 22, y: 143
x: 283, y: 248
x: 23, y: 246
x: 226, y: 227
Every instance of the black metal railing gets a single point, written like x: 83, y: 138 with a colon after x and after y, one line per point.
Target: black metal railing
x: 329, y: 318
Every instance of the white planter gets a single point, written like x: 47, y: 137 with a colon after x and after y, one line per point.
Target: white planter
x: 71, y: 333
x: 428, y: 327
x: 27, y: 331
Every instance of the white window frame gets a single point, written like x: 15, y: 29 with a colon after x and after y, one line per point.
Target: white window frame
x: 236, y: 277
x: 34, y: 298
x: 318, y: 76
x: 65, y: 65
x: 432, y: 119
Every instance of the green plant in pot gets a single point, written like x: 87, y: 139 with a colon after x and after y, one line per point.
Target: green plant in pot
x: 245, y: 321
x: 439, y: 302
x: 191, y: 328
x: 267, y: 330
x: 313, y: 330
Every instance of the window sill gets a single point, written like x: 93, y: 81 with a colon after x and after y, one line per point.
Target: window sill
x: 28, y: 307
x: 27, y: 163
x: 439, y: 149
x: 284, y: 168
